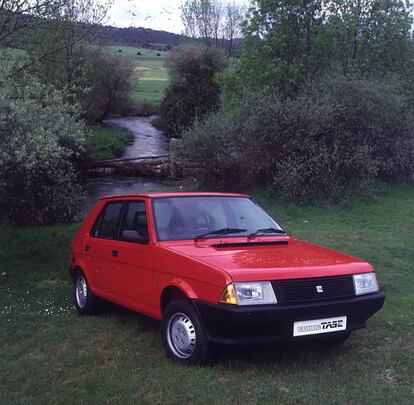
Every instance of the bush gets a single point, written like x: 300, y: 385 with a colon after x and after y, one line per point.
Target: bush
x: 193, y: 91
x: 40, y: 137
x: 336, y: 134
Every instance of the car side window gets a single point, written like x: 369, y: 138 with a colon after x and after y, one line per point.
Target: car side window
x: 106, y: 226
x: 134, y: 227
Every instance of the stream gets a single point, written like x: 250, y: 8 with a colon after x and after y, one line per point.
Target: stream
x: 148, y: 142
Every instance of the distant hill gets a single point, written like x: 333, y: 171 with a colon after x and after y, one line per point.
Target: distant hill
x: 144, y: 37
x: 131, y: 36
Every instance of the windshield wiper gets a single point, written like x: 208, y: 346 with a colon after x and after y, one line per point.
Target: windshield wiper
x: 221, y: 231
x: 267, y: 231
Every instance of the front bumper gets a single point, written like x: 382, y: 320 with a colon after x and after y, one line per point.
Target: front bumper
x: 269, y: 323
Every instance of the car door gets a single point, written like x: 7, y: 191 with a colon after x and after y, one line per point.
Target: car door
x: 99, y: 245
x: 131, y: 266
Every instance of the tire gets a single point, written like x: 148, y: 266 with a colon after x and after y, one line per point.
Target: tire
x: 183, y: 335
x: 335, y: 341
x: 86, y: 302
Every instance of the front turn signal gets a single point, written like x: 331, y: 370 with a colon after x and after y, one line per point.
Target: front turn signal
x: 229, y: 295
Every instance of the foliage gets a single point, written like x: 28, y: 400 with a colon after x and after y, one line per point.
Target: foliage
x: 371, y: 38
x: 192, y: 92
x: 40, y: 136
x: 285, y: 42
x: 51, y: 355
x: 288, y: 42
x: 107, y: 143
x: 336, y: 134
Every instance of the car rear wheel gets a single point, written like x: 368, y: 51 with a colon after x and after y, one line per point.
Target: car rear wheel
x: 183, y: 335
x: 86, y: 302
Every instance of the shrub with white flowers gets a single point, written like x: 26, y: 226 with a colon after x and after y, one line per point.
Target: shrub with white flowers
x: 40, y: 138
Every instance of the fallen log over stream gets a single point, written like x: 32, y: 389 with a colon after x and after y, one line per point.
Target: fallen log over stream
x: 154, y: 166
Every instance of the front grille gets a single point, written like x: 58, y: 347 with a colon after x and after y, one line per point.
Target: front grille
x: 305, y: 290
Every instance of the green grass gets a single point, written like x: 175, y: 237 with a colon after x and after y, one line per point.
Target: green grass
x: 152, y: 75
x: 48, y: 354
x: 107, y: 143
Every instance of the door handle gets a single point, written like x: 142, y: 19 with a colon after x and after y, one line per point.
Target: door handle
x: 114, y: 253
x: 87, y: 248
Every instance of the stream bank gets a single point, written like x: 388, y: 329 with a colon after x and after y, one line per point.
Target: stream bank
x: 148, y: 142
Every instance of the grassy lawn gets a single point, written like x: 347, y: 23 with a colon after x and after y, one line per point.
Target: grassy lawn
x: 151, y: 72
x: 107, y: 143
x: 50, y: 354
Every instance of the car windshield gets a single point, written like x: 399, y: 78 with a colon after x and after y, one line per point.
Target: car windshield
x: 210, y: 216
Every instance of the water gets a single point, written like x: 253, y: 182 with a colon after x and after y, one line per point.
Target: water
x: 98, y: 187
x: 148, y: 142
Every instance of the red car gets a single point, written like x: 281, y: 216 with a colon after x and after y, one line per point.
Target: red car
x: 216, y: 268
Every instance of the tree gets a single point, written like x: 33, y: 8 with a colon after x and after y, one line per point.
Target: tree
x: 285, y: 43
x: 212, y: 21
x: 288, y: 42
x: 49, y: 30
x: 65, y: 33
x: 61, y: 56
x: 192, y: 92
x: 21, y: 15
x: 197, y: 17
x: 232, y: 24
x: 371, y: 37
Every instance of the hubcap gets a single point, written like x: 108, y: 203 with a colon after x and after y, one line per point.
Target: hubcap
x: 81, y: 290
x: 181, y: 335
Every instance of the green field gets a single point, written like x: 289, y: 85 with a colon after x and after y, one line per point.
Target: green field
x: 107, y: 143
x: 48, y: 354
x: 152, y: 75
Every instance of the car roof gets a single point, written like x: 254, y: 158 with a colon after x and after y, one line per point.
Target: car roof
x: 175, y: 194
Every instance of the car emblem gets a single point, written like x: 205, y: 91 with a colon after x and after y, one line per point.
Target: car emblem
x: 319, y: 289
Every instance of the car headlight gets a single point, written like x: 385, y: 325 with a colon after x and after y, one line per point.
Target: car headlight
x: 365, y: 283
x: 254, y: 293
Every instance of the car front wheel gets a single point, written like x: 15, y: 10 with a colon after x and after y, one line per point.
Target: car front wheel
x: 84, y: 299
x: 183, y: 335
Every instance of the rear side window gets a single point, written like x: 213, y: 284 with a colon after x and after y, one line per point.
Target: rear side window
x: 134, y: 226
x: 107, y: 224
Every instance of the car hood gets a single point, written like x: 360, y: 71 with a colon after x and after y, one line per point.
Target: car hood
x: 277, y: 258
